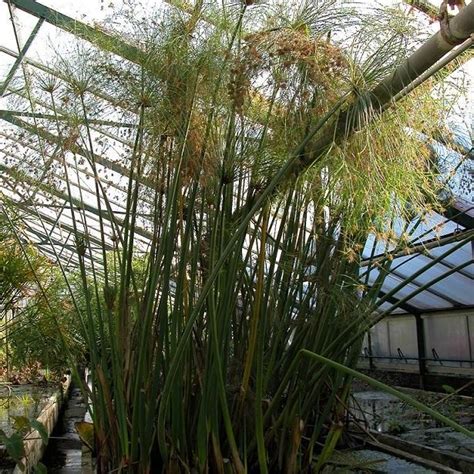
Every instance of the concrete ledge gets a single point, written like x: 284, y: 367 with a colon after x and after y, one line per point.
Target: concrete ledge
x: 409, y: 456
x: 455, y: 461
x: 34, y: 445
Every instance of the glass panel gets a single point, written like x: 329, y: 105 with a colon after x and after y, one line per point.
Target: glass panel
x: 446, y: 339
x: 403, y: 341
x: 380, y: 341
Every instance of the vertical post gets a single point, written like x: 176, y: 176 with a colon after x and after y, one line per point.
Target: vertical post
x: 468, y: 331
x: 369, y: 344
x: 420, y: 339
x: 6, y: 339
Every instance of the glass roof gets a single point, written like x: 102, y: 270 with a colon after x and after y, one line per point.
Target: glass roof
x: 32, y: 130
x: 438, y: 261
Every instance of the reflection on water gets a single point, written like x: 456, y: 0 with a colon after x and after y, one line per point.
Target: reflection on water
x: 377, y: 410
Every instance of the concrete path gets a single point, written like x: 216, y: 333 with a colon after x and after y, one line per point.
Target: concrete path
x: 64, y: 452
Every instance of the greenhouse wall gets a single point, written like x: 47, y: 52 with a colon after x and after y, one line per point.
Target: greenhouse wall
x: 448, y: 343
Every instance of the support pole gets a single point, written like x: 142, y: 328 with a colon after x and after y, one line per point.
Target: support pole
x: 461, y: 27
x: 371, y: 355
x: 420, y: 339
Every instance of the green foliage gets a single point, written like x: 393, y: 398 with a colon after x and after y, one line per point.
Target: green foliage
x: 23, y: 425
x: 85, y: 431
x: 14, y: 444
x: 448, y: 388
x: 40, y: 468
x: 33, y: 335
x: 40, y: 428
x: 17, y: 273
x: 396, y: 428
x: 24, y: 271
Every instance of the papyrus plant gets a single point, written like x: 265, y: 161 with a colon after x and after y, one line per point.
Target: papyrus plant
x: 217, y: 262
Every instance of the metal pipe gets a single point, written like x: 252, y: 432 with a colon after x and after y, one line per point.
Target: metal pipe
x: 435, y: 68
x: 461, y: 27
x: 427, y: 359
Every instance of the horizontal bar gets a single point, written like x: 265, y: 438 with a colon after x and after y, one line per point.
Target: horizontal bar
x: 108, y: 123
x: 427, y: 359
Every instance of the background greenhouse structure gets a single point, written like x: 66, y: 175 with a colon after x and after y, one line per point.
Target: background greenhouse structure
x: 424, y: 321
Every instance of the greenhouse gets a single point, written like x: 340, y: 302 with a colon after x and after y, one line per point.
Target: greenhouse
x: 237, y: 236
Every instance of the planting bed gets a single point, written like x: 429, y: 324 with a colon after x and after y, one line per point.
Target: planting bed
x: 33, y: 402
x: 22, y: 400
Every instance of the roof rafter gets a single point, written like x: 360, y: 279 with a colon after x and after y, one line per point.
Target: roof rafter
x: 64, y: 197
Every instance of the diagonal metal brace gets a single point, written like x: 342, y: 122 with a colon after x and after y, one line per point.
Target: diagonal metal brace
x: 20, y: 57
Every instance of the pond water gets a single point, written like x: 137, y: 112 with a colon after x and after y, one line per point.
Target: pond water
x: 22, y: 400
x: 370, y: 460
x: 387, y: 414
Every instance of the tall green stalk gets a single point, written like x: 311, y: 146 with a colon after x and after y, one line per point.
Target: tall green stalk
x: 220, y: 266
